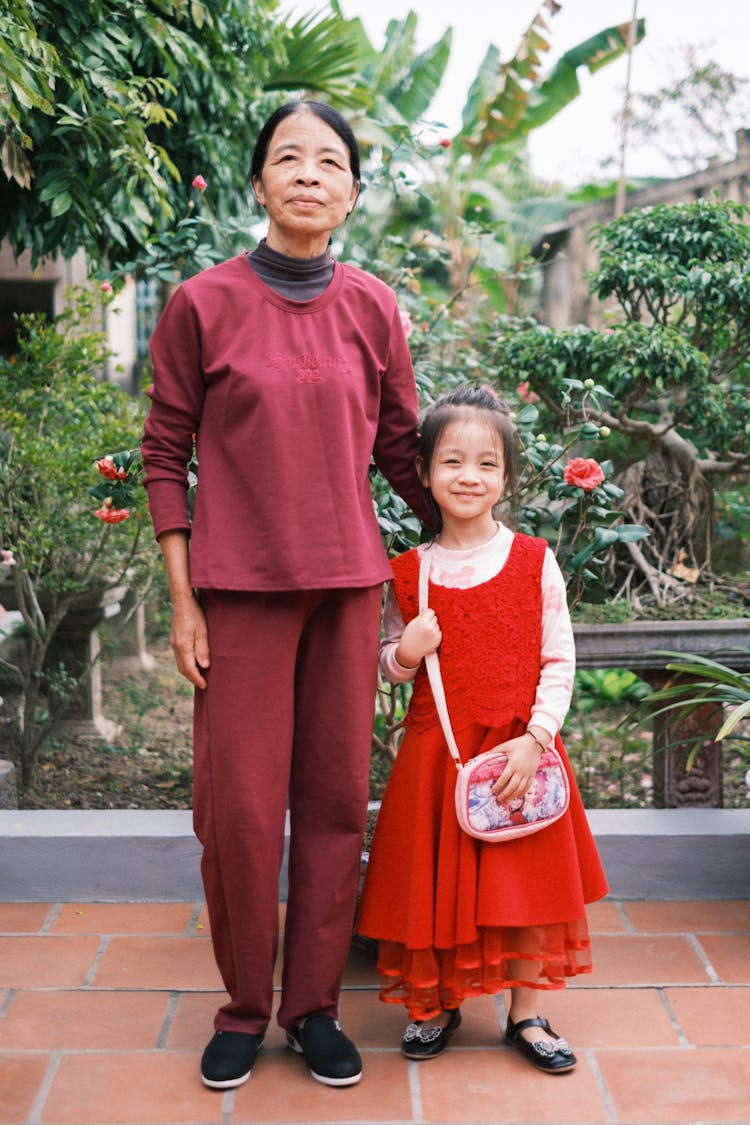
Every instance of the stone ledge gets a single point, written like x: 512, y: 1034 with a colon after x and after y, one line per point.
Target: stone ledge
x: 147, y: 856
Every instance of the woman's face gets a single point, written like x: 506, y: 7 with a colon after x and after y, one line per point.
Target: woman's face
x: 306, y: 185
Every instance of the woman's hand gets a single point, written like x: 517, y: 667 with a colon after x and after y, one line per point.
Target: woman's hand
x: 189, y: 639
x: 420, y: 637
x: 523, y: 753
x: 189, y: 635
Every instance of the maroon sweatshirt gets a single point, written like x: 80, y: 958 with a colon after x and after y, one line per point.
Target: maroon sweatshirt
x: 288, y: 401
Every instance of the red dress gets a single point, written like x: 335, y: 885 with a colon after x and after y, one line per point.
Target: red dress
x: 456, y: 917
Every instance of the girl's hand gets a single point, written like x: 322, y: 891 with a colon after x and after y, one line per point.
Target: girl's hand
x: 189, y: 639
x: 421, y: 636
x: 523, y: 753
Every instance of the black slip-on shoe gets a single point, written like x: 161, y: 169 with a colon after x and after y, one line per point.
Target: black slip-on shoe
x: 552, y: 1058
x: 332, y: 1057
x: 228, y: 1059
x: 420, y: 1042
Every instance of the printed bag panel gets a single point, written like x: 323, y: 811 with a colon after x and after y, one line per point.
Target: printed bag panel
x: 480, y: 813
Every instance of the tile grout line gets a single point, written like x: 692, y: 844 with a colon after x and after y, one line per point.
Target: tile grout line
x: 672, y: 1017
x: 45, y: 1086
x: 54, y: 912
x: 11, y: 992
x: 703, y: 957
x: 193, y: 920
x: 227, y: 1106
x: 88, y: 980
x: 173, y: 999
x: 624, y: 918
x: 604, y: 1092
x: 415, y: 1091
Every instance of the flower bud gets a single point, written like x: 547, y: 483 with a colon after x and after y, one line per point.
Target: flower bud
x: 589, y: 384
x: 604, y: 431
x: 199, y: 183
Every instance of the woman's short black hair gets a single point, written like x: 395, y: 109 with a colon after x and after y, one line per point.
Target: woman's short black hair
x: 326, y: 113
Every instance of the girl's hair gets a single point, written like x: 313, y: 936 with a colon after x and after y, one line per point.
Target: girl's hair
x: 451, y: 407
x: 326, y: 113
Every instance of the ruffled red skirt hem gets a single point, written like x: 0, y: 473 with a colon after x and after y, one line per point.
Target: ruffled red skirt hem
x: 427, y: 981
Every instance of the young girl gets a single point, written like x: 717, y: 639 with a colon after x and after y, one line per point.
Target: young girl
x: 454, y: 916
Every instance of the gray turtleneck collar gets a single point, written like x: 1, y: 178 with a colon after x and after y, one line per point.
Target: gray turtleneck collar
x: 297, y: 279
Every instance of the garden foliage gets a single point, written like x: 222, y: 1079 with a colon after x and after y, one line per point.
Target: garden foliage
x: 57, y: 418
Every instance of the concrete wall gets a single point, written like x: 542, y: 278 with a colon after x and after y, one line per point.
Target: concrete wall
x: 119, y: 855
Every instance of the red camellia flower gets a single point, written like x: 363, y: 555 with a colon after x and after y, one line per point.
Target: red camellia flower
x: 583, y: 472
x: 106, y: 287
x: 446, y: 142
x: 523, y: 392
x: 108, y: 469
x: 199, y: 183
x: 112, y: 515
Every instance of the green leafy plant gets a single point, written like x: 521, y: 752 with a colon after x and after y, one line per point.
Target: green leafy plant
x: 698, y: 681
x: 607, y: 686
x: 572, y: 500
x: 57, y: 416
x: 674, y: 365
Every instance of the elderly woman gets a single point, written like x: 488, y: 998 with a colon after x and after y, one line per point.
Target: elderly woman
x: 292, y: 371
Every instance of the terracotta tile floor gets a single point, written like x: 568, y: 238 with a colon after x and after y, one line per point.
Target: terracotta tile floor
x: 105, y: 1008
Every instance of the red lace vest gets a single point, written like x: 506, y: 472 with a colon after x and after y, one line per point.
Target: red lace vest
x: 492, y: 639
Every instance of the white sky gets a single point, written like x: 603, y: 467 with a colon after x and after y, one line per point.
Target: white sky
x: 572, y: 146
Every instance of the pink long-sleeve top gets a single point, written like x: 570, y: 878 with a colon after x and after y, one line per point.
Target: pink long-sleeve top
x: 463, y: 569
x: 288, y: 401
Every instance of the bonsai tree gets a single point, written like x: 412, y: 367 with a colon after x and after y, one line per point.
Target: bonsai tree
x: 57, y: 418
x: 675, y: 365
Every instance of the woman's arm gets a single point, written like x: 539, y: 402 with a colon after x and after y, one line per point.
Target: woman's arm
x: 397, y: 439
x: 189, y: 636
x: 177, y: 395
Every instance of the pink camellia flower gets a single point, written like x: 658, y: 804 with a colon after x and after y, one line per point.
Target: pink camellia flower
x: 6, y: 558
x: 108, y: 469
x: 407, y: 322
x: 583, y: 472
x: 199, y: 183
x: 107, y: 514
x: 106, y: 287
x: 523, y: 392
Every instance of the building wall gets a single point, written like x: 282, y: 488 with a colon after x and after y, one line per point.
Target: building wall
x: 42, y: 288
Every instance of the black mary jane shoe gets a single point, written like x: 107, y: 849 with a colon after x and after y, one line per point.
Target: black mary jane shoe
x: 553, y: 1058
x: 420, y: 1042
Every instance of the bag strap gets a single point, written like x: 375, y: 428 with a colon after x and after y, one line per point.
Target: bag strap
x: 432, y: 664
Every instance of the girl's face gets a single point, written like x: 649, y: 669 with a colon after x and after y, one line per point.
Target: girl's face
x: 306, y: 185
x: 467, y: 473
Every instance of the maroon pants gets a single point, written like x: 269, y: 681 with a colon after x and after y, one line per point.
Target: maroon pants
x: 286, y: 719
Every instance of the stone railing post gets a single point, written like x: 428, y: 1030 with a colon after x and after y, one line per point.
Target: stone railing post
x: 640, y: 647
